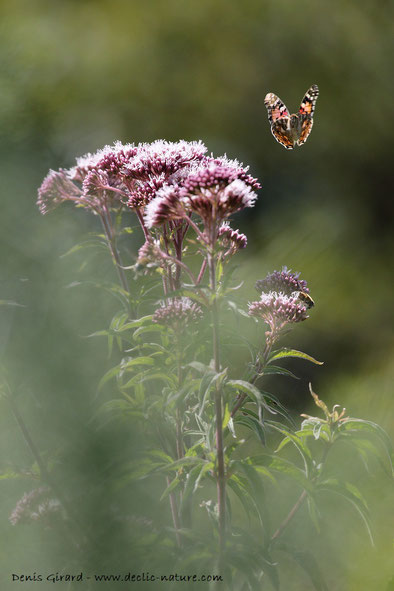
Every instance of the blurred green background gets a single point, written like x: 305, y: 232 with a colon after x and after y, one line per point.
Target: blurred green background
x: 76, y: 75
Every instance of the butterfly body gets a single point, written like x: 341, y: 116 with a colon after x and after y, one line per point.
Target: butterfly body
x: 291, y: 130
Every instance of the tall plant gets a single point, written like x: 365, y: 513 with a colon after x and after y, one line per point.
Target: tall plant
x: 175, y: 380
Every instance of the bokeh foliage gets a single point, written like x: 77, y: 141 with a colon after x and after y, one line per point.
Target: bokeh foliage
x: 78, y: 75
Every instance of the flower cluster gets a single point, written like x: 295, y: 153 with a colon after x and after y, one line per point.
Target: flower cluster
x: 35, y: 505
x: 285, y: 300
x: 150, y: 256
x: 278, y: 309
x: 178, y: 314
x: 126, y: 174
x: 283, y: 281
x: 214, y: 189
x: 232, y: 240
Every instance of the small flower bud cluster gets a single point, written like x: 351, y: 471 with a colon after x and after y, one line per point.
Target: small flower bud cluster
x: 232, y: 240
x: 280, y: 302
x: 34, y: 506
x: 150, y: 256
x: 283, y: 282
x: 178, y: 314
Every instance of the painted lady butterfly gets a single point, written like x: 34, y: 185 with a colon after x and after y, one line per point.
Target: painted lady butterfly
x: 291, y: 130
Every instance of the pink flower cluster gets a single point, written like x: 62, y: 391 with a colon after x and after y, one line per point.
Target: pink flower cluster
x: 178, y: 314
x: 119, y: 174
x: 282, y: 302
x: 163, y: 180
x: 35, y: 505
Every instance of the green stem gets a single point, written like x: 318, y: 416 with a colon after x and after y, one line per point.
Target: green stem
x: 299, y: 501
x: 221, y: 474
x: 109, y: 233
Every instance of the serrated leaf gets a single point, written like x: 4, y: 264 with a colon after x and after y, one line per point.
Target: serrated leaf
x: 283, y: 353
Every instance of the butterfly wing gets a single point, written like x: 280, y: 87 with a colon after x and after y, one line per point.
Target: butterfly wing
x: 275, y: 107
x: 306, y: 111
x: 279, y: 118
x: 308, y: 103
x: 306, y: 128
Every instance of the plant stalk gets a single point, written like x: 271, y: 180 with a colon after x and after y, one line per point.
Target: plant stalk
x: 109, y: 233
x: 221, y: 475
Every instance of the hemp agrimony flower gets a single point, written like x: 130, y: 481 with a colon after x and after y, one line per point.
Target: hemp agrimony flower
x: 231, y: 240
x: 35, y: 505
x: 178, y: 314
x: 282, y: 281
x: 278, y: 310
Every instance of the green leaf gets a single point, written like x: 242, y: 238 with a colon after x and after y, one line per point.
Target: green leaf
x: 285, y: 467
x: 361, y: 426
x: 283, y: 353
x: 247, y: 388
x: 186, y: 461
x: 298, y: 442
x: 238, y: 486
x: 308, y: 563
x: 174, y: 484
x: 201, y: 367
x: 146, y: 329
x: 193, y: 480
x: 135, y: 323
x: 11, y: 475
x: 253, y: 424
x: 313, y: 512
x: 277, y: 370
x: 137, y: 361
x: 352, y: 494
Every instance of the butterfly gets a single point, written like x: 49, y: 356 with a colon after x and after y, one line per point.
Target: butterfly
x: 291, y: 130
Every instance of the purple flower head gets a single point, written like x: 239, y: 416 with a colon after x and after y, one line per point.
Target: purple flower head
x: 215, y: 191
x: 240, y: 170
x: 56, y: 188
x: 155, y: 164
x: 109, y: 159
x: 162, y: 158
x: 166, y: 206
x: 232, y: 240
x: 35, y: 505
x: 95, y: 181
x: 278, y: 310
x: 178, y: 314
x: 282, y: 281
